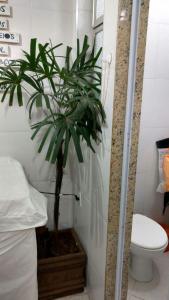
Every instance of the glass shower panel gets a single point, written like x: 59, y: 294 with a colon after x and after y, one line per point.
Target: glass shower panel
x: 98, y: 45
x: 99, y: 8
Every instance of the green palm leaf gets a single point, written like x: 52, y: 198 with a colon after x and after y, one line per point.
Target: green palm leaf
x: 69, y: 96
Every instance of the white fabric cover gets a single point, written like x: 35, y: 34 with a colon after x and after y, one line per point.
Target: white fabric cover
x: 18, y: 265
x: 21, y: 206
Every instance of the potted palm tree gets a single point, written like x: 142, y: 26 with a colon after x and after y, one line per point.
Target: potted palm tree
x: 69, y: 96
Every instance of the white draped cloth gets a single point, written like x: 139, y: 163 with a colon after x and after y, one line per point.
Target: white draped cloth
x: 21, y: 206
x: 22, y: 209
x: 18, y: 265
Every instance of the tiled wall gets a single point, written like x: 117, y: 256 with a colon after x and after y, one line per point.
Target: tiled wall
x: 42, y: 19
x: 90, y: 218
x: 155, y: 111
x: 84, y: 18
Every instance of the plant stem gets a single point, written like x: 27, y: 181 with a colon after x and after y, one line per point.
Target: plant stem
x: 59, y: 177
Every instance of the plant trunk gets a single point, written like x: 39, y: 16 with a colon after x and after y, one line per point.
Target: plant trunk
x: 58, y: 186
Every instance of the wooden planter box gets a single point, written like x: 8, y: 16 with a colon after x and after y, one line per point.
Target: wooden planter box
x: 63, y: 275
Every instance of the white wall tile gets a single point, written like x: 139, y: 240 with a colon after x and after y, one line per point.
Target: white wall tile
x: 147, y: 201
x: 157, y: 58
x: 45, y: 170
x: 92, y: 229
x: 155, y: 103
x: 82, y: 221
x: 51, y: 25
x: 16, y: 23
x: 66, y: 203
x: 154, y: 116
x: 16, y: 3
x: 58, y: 5
x: 66, y: 212
x: 85, y: 5
x: 159, y: 13
x: 84, y: 23
x: 147, y: 151
x: 9, y: 121
x: 140, y: 194
x: 91, y: 218
x: 44, y: 20
x: 19, y: 146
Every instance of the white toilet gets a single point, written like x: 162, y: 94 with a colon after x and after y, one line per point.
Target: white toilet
x: 148, y: 240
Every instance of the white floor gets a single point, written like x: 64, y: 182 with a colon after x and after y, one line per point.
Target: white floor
x: 158, y: 289
x: 76, y: 297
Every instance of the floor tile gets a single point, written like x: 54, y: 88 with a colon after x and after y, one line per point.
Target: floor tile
x: 75, y: 297
x: 131, y: 297
x: 131, y: 284
x: 158, y: 288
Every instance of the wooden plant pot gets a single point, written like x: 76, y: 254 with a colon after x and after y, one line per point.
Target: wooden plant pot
x: 63, y: 275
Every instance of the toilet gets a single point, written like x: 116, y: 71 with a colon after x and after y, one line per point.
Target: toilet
x: 148, y: 241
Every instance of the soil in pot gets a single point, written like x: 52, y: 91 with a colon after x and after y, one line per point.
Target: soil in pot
x: 54, y: 244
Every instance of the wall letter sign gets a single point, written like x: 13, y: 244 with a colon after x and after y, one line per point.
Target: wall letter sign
x: 5, y: 10
x: 8, y: 37
x: 3, y: 24
x: 4, y: 50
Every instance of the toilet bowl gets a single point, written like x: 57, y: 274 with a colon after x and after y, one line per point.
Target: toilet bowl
x: 148, y: 241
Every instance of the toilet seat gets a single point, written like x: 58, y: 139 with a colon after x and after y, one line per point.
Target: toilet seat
x: 148, y: 234
x: 148, y: 241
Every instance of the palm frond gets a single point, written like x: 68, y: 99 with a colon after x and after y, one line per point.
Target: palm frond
x: 69, y: 94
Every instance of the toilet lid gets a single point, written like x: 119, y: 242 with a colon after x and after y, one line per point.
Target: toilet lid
x: 147, y: 233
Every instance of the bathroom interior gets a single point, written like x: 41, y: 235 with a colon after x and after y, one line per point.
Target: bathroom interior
x: 57, y: 21
x: 85, y: 193
x: 148, y: 200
